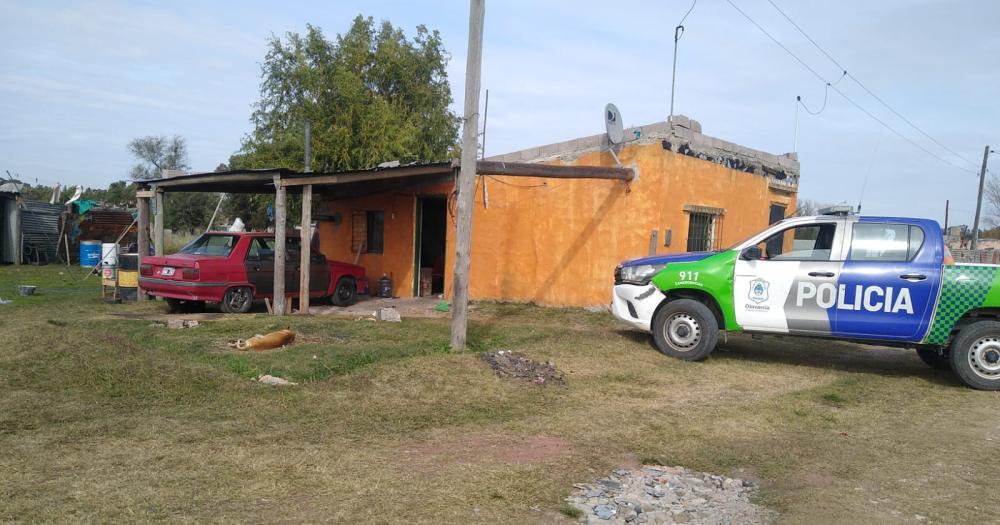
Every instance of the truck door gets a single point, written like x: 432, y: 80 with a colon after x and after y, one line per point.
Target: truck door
x: 889, y: 282
x: 786, y: 288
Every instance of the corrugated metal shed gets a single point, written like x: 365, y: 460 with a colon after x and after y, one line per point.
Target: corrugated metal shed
x: 40, y: 231
x: 9, y: 224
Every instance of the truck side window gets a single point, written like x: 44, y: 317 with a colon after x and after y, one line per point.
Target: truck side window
x: 811, y: 242
x: 885, y: 242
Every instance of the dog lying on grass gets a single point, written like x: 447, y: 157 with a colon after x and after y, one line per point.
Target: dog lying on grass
x: 265, y: 342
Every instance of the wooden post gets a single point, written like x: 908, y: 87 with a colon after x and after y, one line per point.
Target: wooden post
x: 305, y: 232
x: 279, y: 246
x: 467, y: 176
x: 158, y: 223
x: 979, y: 199
x: 142, y: 203
x: 18, y: 237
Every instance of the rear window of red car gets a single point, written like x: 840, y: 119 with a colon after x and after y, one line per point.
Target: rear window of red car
x: 221, y: 245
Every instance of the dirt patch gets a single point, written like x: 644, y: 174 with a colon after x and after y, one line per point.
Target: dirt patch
x: 514, y: 365
x: 486, y: 448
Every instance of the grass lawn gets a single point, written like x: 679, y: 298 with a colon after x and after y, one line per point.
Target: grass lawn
x: 106, y: 416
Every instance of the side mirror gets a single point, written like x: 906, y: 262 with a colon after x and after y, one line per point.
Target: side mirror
x: 751, y: 253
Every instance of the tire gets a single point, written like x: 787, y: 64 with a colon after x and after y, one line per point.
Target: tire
x: 975, y: 355
x: 174, y: 305
x: 346, y: 292
x: 237, y: 300
x: 685, y: 329
x: 934, y: 358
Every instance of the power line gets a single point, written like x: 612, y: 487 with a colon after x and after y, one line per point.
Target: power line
x: 842, y: 94
x: 864, y: 87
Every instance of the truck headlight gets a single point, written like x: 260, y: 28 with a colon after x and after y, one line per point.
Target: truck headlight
x: 640, y: 274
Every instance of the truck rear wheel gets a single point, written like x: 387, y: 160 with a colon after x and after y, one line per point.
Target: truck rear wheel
x: 685, y: 329
x: 934, y: 358
x: 975, y: 355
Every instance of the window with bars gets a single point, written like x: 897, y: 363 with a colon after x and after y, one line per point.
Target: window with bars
x: 367, y: 231
x: 701, y: 231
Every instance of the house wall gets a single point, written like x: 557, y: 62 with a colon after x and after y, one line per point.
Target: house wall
x: 557, y: 241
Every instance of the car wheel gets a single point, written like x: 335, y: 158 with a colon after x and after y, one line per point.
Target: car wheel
x: 346, y: 292
x: 237, y: 300
x: 934, y: 358
x: 975, y: 355
x: 685, y: 329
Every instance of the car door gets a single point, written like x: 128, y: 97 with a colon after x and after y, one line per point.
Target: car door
x: 259, y: 265
x: 890, y: 280
x: 319, y: 274
x: 293, y: 262
x: 788, y: 286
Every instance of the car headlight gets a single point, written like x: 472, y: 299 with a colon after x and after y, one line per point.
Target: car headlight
x: 640, y: 274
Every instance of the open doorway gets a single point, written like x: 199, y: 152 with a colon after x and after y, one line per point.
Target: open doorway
x: 432, y: 223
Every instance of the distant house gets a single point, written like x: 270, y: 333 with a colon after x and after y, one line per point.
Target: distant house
x: 557, y: 241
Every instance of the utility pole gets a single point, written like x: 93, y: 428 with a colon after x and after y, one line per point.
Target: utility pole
x: 979, y: 199
x: 946, y: 203
x: 305, y: 230
x: 467, y: 176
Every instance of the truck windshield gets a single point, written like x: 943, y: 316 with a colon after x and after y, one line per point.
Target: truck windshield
x: 221, y: 245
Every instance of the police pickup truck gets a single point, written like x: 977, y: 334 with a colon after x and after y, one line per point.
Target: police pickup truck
x: 882, y: 280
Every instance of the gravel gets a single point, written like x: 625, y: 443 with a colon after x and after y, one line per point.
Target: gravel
x: 658, y: 495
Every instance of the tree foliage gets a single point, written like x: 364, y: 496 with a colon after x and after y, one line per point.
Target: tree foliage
x: 156, y: 153
x: 371, y: 95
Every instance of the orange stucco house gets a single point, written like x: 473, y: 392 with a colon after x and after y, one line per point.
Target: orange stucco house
x: 557, y: 241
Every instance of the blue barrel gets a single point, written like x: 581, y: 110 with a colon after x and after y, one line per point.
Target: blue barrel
x: 90, y: 253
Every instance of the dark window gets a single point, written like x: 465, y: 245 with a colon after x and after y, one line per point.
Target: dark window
x: 367, y: 231
x: 376, y: 231
x: 885, y: 242
x: 220, y: 245
x: 701, y: 231
x: 262, y: 248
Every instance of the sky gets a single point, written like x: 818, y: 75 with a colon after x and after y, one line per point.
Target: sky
x: 79, y: 80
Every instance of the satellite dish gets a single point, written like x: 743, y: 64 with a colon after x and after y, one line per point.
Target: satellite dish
x: 613, y: 123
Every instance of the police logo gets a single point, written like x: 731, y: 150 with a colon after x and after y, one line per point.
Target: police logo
x: 758, y: 290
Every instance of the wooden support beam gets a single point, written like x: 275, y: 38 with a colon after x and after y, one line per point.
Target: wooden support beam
x: 142, y: 203
x: 279, y: 246
x: 524, y: 169
x: 158, y: 223
x: 467, y: 177
x: 305, y: 244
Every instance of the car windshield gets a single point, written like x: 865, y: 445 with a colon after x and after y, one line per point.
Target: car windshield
x: 221, y: 245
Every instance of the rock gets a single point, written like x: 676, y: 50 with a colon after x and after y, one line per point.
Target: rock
x: 388, y: 313
x: 658, y: 495
x: 273, y: 380
x: 605, y: 512
x: 181, y: 323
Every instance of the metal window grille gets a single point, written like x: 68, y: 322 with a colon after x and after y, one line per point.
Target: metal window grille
x: 701, y: 231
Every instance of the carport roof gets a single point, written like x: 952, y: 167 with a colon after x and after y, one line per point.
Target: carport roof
x: 264, y: 180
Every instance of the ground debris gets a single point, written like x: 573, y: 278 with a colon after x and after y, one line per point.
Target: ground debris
x: 274, y: 380
x: 182, y: 323
x: 657, y: 495
x: 513, y: 364
x: 388, y: 313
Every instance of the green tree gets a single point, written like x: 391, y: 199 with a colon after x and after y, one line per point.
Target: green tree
x: 372, y: 95
x: 157, y: 153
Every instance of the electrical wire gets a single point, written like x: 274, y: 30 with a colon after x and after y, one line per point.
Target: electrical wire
x: 842, y: 94
x: 864, y: 87
x: 688, y: 13
x: 826, y: 94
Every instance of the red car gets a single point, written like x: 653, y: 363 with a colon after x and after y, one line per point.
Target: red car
x: 236, y: 269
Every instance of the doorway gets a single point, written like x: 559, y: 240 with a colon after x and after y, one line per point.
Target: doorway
x: 432, y: 224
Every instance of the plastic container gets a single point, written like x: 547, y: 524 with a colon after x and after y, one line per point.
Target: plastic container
x: 90, y: 253
x: 109, y: 254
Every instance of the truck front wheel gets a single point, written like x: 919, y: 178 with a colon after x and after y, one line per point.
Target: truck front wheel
x: 975, y: 355
x: 685, y: 329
